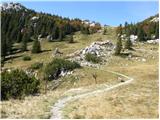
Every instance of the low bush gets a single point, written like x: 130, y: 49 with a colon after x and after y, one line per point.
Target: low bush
x: 26, y: 58
x: 53, y: 69
x: 17, y: 84
x: 36, y: 65
x: 92, y: 58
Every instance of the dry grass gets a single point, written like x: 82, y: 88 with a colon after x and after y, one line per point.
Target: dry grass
x: 40, y: 106
x: 34, y: 107
x: 83, y: 78
x: 136, y: 100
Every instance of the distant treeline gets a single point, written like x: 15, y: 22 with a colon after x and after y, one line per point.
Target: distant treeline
x: 145, y: 30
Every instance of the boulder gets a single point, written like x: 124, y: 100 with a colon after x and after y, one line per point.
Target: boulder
x: 49, y: 37
x: 143, y: 60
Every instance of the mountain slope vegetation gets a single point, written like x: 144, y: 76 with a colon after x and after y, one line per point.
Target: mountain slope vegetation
x: 17, y: 23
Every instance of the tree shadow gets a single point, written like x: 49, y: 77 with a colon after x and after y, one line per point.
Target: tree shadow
x: 46, y: 50
x: 125, y: 55
x: 72, y: 42
x: 12, y: 57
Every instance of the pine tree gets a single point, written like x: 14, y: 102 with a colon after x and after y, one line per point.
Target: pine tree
x: 19, y: 37
x: 157, y: 31
x: 9, y: 45
x: 3, y: 48
x: 105, y: 31
x: 25, y: 39
x: 61, y: 35
x: 128, y: 43
x: 119, y: 30
x: 126, y: 27
x: 85, y: 29
x: 36, y: 48
x: 141, y: 34
x: 118, y: 46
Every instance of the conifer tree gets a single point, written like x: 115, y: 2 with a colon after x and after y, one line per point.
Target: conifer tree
x: 128, y: 43
x: 3, y: 48
x: 25, y: 39
x: 141, y: 34
x: 61, y: 35
x: 36, y: 48
x: 157, y: 32
x: 19, y: 37
x: 105, y: 31
x: 126, y: 27
x: 118, y: 46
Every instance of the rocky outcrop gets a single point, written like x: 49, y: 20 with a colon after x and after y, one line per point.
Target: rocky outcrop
x: 103, y: 49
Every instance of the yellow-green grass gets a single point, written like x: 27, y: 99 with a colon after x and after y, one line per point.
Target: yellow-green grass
x: 81, y: 41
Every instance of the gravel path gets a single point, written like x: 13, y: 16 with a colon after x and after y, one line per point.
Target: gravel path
x: 60, y: 104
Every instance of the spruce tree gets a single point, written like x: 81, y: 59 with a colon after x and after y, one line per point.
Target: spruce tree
x: 126, y: 27
x: 3, y: 48
x: 105, y: 31
x: 141, y: 34
x: 85, y: 29
x: 25, y: 39
x: 36, y: 48
x: 118, y: 46
x: 128, y: 43
x: 61, y: 35
x: 19, y: 37
x: 157, y: 31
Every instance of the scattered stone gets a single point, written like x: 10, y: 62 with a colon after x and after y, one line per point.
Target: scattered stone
x: 49, y: 37
x: 64, y: 73
x: 130, y: 56
x: 56, y: 52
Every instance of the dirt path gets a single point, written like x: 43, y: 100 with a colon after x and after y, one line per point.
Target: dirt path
x: 60, y: 104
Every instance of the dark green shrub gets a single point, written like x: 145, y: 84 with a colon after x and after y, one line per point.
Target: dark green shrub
x: 128, y: 44
x: 92, y: 58
x: 53, y: 69
x: 17, y: 84
x: 26, y: 58
x: 36, y: 65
